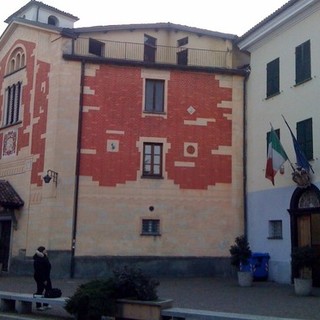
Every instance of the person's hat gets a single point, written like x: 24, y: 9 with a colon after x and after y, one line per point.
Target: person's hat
x: 41, y: 249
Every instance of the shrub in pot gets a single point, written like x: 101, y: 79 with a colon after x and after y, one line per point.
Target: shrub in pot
x: 303, y: 259
x: 240, y: 254
x: 99, y: 297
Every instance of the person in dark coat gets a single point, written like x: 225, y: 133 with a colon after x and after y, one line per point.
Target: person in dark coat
x: 42, y: 269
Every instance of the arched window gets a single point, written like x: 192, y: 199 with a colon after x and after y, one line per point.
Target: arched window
x: 52, y: 20
x: 17, y: 60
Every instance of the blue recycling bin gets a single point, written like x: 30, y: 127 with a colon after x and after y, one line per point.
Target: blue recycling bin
x: 260, y: 265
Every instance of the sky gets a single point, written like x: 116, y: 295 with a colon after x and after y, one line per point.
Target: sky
x: 226, y: 16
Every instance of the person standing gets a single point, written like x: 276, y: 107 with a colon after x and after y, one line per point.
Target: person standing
x: 42, y: 269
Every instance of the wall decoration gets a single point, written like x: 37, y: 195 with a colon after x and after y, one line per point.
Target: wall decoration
x: 9, y: 143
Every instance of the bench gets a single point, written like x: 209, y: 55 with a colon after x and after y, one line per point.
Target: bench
x: 22, y: 302
x: 182, y: 314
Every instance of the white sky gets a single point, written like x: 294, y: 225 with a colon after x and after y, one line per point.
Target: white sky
x: 227, y: 16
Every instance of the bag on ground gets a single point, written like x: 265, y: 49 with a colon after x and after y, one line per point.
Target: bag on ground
x: 53, y: 293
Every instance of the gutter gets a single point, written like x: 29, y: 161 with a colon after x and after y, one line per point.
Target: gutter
x: 77, y: 175
x: 245, y: 209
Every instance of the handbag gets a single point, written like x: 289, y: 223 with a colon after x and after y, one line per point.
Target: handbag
x: 53, y: 293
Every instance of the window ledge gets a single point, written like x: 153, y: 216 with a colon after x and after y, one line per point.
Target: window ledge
x: 303, y: 81
x: 275, y: 238
x: 273, y: 95
x: 10, y: 125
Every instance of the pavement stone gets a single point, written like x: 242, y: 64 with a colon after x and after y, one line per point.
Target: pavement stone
x: 215, y: 294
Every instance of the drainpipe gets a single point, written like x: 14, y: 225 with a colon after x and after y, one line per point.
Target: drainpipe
x: 245, y: 151
x: 77, y: 174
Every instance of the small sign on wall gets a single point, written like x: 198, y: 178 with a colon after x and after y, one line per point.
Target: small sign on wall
x: 112, y: 145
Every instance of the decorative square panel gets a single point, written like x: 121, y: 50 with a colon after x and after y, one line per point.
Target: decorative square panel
x: 191, y: 110
x: 190, y: 149
x: 113, y: 145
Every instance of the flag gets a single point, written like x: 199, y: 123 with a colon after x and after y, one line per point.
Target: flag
x: 276, y: 156
x: 302, y: 161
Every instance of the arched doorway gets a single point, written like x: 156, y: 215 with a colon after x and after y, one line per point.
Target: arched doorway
x: 305, y: 223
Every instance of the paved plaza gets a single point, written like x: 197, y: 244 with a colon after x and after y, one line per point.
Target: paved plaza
x: 216, y: 294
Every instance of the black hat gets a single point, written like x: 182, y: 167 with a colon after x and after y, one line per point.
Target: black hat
x: 41, y: 249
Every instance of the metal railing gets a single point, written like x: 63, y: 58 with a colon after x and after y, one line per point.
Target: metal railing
x: 159, y: 54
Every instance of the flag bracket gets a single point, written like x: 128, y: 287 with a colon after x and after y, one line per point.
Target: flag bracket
x: 301, y: 177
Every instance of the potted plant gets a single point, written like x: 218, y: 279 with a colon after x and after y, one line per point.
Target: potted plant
x: 240, y: 258
x: 303, y: 259
x: 127, y: 293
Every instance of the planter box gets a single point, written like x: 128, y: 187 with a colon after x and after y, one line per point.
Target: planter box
x: 141, y: 310
x: 302, y: 287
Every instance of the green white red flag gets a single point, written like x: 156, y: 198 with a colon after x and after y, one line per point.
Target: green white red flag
x: 276, y: 156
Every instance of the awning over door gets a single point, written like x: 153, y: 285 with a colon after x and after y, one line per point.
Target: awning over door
x: 9, y: 198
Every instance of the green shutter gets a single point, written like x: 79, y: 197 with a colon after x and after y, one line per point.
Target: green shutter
x: 303, y: 62
x: 273, y: 77
x: 305, y: 137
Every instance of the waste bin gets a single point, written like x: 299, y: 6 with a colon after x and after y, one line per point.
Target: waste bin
x: 260, y: 265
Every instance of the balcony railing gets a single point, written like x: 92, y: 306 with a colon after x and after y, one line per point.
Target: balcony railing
x: 159, y: 55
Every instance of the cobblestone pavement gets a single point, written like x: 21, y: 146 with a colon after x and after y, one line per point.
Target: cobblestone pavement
x: 216, y: 294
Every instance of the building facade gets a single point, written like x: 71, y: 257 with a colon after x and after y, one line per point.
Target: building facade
x: 123, y: 143
x: 283, y: 90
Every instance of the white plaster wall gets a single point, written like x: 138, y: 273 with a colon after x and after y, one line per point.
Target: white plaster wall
x: 265, y: 201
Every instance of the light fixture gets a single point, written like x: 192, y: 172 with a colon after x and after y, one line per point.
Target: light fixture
x: 51, y: 175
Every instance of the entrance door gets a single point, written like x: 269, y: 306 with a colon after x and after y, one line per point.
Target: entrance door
x: 308, y: 230
x: 315, y: 242
x: 305, y: 223
x: 5, y: 236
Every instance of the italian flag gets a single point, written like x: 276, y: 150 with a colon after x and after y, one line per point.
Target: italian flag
x: 276, y: 156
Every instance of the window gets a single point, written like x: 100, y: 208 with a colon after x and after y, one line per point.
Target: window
x: 52, y: 20
x: 150, y: 48
x: 17, y: 61
x: 275, y: 229
x: 303, y: 62
x: 154, y: 95
x: 277, y: 132
x: 182, y: 57
x: 183, y: 41
x: 152, y: 160
x: 273, y: 78
x: 96, y: 47
x: 150, y: 227
x: 12, y: 104
x: 305, y: 137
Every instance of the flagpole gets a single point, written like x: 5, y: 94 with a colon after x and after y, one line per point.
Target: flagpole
x: 292, y: 135
x: 292, y: 167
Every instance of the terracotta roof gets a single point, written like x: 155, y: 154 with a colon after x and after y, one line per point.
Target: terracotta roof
x: 42, y: 5
x: 268, y: 18
x: 9, y: 198
x: 158, y: 25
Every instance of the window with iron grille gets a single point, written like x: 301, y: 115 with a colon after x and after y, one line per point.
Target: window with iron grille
x: 305, y: 137
x: 150, y: 227
x: 273, y: 78
x: 154, y: 96
x: 152, y: 160
x: 12, y: 104
x: 303, y: 62
x: 275, y: 229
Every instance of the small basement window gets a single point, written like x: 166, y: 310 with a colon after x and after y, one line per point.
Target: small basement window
x: 275, y: 229
x: 150, y: 227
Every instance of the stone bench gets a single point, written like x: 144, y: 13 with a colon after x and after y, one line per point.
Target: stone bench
x: 183, y: 314
x: 22, y: 302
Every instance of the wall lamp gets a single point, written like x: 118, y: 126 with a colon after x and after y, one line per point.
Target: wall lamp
x: 51, y: 175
